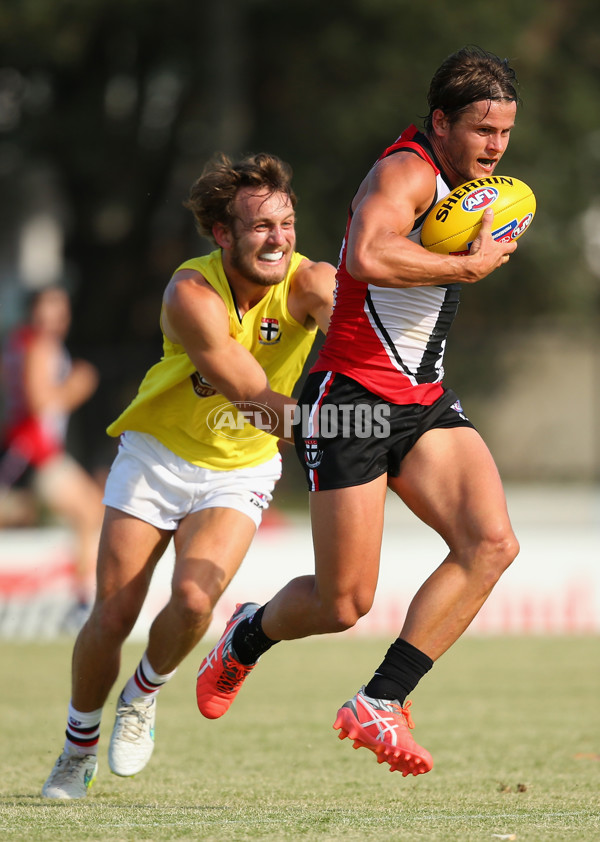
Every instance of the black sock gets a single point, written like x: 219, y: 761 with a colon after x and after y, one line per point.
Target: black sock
x: 249, y: 641
x: 399, y: 673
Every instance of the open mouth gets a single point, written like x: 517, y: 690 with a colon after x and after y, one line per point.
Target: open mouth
x: 271, y: 256
x: 487, y: 163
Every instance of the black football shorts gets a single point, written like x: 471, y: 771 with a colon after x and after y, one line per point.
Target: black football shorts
x: 346, y: 435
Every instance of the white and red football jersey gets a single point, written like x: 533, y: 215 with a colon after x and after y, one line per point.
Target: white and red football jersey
x: 392, y: 340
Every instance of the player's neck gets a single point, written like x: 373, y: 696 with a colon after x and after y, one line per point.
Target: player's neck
x: 247, y: 294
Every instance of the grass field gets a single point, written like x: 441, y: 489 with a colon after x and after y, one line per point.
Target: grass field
x: 513, y: 725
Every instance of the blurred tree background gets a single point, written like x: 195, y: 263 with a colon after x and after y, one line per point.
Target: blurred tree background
x: 109, y: 110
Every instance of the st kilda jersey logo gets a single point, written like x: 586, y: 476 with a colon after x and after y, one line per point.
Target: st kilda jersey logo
x: 269, y: 331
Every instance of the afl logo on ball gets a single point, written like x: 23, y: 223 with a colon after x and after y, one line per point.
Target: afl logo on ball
x: 480, y: 199
x: 522, y: 226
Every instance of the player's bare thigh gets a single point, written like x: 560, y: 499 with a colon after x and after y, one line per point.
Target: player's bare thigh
x: 210, y: 546
x: 129, y: 550
x: 450, y: 481
x: 347, y: 525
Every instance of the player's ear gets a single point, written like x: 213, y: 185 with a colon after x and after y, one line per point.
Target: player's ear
x: 222, y: 235
x: 440, y: 122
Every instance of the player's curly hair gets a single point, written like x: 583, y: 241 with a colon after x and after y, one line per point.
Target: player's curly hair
x: 467, y: 76
x: 213, y: 193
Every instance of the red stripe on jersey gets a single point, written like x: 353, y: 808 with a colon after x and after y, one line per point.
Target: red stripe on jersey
x: 405, y: 141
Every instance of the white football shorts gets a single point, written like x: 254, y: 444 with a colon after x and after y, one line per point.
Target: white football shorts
x: 149, y: 481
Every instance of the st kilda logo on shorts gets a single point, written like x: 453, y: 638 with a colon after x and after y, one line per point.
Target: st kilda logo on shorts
x: 312, y: 454
x: 269, y: 332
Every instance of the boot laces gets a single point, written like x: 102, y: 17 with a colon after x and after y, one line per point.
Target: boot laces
x: 132, y: 720
x: 405, y: 713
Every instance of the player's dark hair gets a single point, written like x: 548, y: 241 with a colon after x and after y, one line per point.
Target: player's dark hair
x: 212, y: 195
x: 467, y: 76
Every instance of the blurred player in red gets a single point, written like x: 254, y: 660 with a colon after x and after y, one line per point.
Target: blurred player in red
x: 42, y: 386
x: 382, y: 361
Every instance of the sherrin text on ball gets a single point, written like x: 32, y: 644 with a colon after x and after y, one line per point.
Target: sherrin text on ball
x: 454, y: 222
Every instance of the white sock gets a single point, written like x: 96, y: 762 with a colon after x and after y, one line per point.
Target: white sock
x: 145, y: 682
x: 83, y: 731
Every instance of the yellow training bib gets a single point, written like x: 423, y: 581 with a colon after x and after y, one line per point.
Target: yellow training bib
x: 180, y: 408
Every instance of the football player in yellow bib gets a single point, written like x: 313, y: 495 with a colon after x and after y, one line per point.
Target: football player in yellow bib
x: 198, y: 456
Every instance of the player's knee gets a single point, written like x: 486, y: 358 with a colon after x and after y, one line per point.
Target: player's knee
x: 113, y: 619
x: 347, y: 611
x: 193, y: 604
x: 499, y: 549
x: 506, y: 550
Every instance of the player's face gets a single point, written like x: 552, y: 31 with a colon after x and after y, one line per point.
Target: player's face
x: 263, y: 236
x: 473, y: 146
x: 51, y: 313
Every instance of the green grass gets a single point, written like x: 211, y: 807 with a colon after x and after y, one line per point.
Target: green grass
x: 513, y: 725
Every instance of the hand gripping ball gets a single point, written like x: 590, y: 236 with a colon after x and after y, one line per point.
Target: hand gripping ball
x: 454, y: 222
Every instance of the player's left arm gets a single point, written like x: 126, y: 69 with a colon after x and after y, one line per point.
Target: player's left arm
x: 310, y: 300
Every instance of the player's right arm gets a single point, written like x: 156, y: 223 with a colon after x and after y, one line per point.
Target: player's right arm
x: 195, y: 316
x: 393, y: 195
